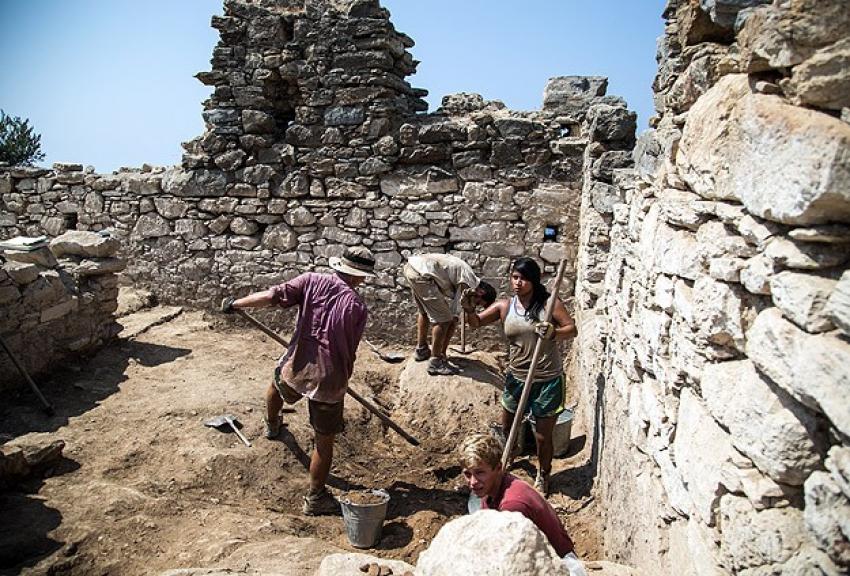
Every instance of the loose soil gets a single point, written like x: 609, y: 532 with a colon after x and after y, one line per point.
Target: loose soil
x: 144, y: 486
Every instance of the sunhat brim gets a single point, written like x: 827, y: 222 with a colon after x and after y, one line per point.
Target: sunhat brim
x: 337, y: 264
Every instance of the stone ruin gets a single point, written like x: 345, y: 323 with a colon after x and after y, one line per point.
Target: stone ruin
x: 314, y: 142
x: 57, y: 299
x: 708, y: 260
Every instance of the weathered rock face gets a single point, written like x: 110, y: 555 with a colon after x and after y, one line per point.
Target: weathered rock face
x: 58, y: 301
x: 712, y: 288
x: 315, y: 141
x: 505, y: 543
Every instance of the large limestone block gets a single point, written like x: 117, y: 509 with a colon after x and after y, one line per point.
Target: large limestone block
x: 667, y: 249
x: 752, y: 539
x: 719, y: 312
x: 489, y: 543
x: 692, y: 550
x: 838, y: 306
x: 151, y: 225
x: 84, y: 243
x: 824, y: 79
x: 701, y: 450
x: 784, y: 163
x: 814, y: 369
x: 802, y: 299
x: 787, y: 33
x: 827, y: 515
x: 761, y: 424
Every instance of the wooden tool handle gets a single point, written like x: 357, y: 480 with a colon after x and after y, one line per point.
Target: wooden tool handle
x: 366, y: 404
x: 238, y: 432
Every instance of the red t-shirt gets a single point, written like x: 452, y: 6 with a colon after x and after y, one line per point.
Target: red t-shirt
x: 516, y: 496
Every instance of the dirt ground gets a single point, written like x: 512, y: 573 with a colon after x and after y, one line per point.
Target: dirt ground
x: 144, y: 487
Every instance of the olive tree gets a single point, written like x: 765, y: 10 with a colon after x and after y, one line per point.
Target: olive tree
x: 18, y: 143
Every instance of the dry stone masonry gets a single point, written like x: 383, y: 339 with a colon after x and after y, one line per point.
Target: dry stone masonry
x: 58, y: 300
x: 712, y: 295
x: 315, y: 142
x: 709, y: 257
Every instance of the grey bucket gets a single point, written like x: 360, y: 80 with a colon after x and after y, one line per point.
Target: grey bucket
x: 561, y: 433
x: 363, y: 522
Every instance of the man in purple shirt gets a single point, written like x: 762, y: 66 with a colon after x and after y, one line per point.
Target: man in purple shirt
x: 320, y: 358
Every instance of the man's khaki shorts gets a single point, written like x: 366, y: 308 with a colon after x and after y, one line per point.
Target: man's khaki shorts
x: 325, y: 418
x: 429, y: 300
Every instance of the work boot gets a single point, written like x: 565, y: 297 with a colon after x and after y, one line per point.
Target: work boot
x: 271, y: 429
x: 541, y: 483
x: 422, y: 353
x: 439, y: 367
x: 321, y: 503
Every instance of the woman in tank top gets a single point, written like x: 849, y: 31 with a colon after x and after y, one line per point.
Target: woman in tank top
x: 523, y: 320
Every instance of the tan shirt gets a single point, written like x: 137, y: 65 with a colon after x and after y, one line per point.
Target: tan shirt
x: 520, y: 334
x: 448, y: 272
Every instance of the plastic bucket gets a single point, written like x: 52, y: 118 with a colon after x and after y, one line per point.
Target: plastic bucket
x: 363, y: 522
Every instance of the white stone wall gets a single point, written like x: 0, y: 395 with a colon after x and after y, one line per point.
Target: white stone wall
x: 715, y: 297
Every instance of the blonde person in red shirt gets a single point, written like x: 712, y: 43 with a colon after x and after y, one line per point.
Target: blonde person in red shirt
x: 320, y: 358
x: 481, y: 456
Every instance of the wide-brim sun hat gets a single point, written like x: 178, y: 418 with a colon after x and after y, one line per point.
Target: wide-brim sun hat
x: 356, y: 261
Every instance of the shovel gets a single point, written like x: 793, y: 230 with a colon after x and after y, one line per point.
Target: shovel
x: 225, y: 420
x: 391, y: 358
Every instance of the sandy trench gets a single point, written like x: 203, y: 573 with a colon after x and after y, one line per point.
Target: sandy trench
x: 144, y: 487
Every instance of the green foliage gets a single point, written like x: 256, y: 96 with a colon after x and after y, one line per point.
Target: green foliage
x: 18, y: 143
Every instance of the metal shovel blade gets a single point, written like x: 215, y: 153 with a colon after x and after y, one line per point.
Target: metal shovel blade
x: 392, y: 358
x: 227, y: 422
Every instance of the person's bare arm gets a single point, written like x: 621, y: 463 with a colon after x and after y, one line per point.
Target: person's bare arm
x: 495, y: 311
x: 565, y: 326
x: 255, y: 300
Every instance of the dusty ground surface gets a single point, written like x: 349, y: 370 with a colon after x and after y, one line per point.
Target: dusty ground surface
x: 144, y: 487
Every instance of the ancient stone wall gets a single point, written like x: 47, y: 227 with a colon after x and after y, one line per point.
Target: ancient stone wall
x: 57, y: 302
x: 314, y: 142
x: 713, y: 301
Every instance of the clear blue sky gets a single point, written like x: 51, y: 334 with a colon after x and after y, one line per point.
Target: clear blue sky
x: 110, y: 83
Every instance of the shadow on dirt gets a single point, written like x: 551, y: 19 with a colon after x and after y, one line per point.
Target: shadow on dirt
x: 77, y: 386
x: 576, y: 483
x: 477, y: 370
x: 287, y: 439
x: 27, y: 521
x: 407, y: 499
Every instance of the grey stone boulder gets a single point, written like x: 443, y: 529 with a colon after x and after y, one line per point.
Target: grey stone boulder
x: 84, y: 243
x: 151, y: 225
x: 803, y: 298
x: 783, y: 162
x: 489, y: 543
x: 764, y: 423
x: 838, y: 305
x: 753, y: 540
x: 725, y: 12
x: 569, y: 93
x: 785, y: 34
x: 827, y: 515
x: 814, y: 369
x: 822, y: 80
x: 608, y: 123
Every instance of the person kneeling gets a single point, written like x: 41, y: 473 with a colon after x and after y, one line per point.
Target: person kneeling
x: 481, y: 456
